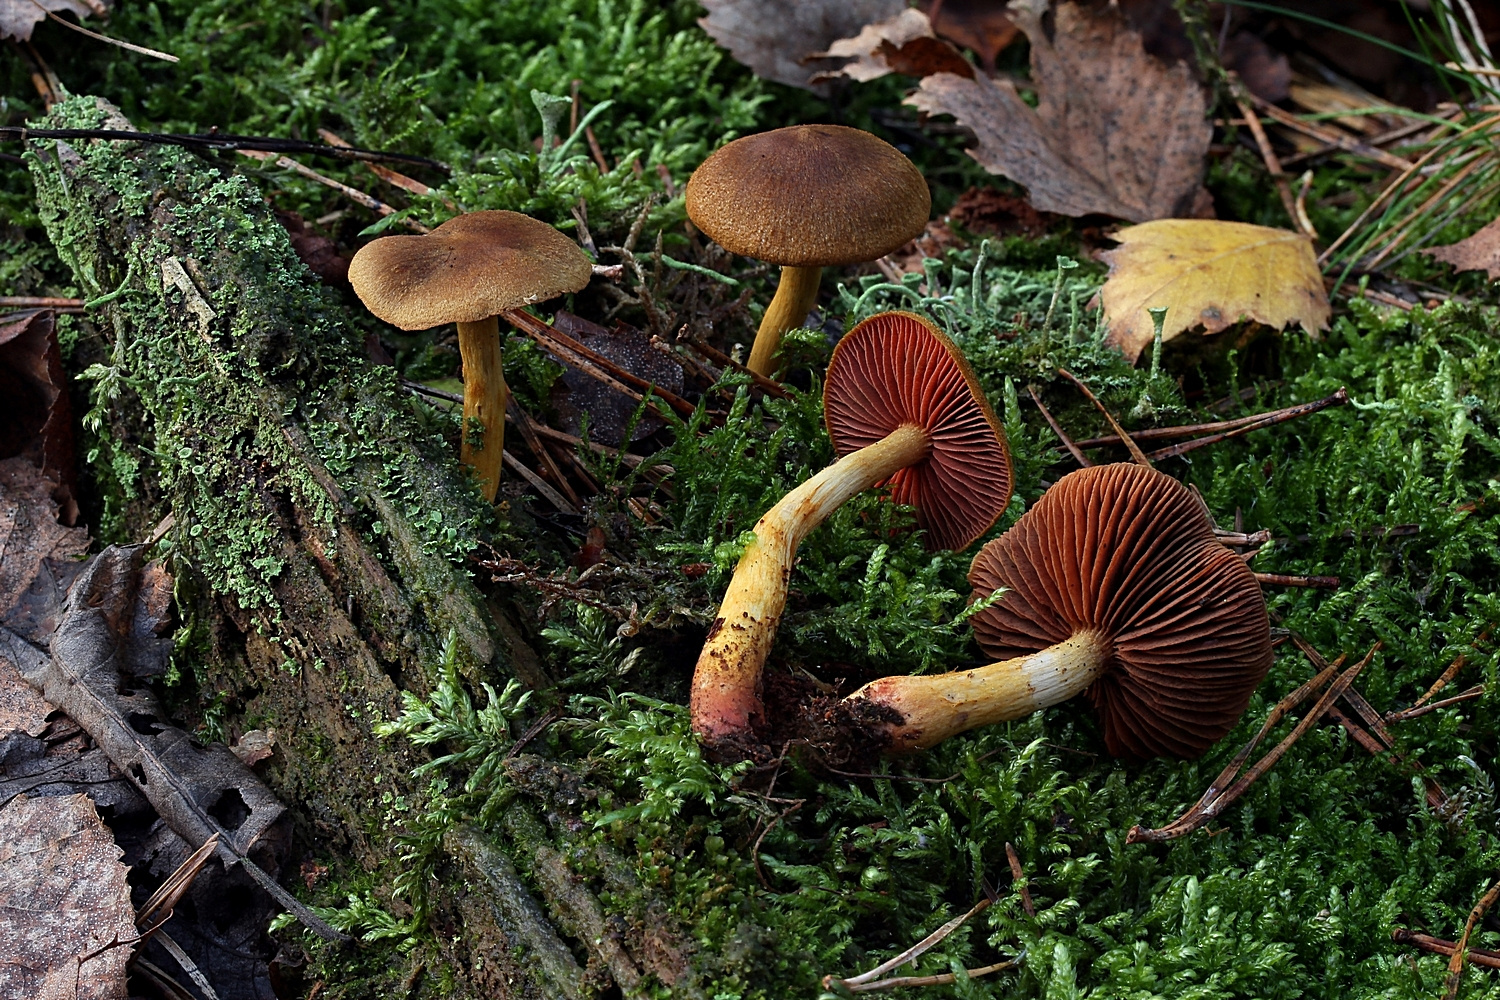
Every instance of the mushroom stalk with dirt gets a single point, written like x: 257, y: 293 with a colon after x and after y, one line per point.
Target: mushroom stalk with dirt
x: 1114, y: 586
x: 806, y: 197
x: 902, y: 409
x: 468, y: 271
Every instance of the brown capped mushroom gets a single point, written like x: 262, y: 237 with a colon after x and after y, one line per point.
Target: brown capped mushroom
x: 902, y: 408
x: 806, y: 198
x: 467, y: 271
x: 1114, y: 586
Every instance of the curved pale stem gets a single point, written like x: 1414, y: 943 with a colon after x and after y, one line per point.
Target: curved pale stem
x: 937, y: 706
x: 726, y: 684
x: 484, y: 400
x: 788, y: 310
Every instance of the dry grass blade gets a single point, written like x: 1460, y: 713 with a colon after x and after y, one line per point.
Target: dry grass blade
x: 866, y: 979
x: 188, y: 965
x: 170, y: 891
x: 1273, y: 165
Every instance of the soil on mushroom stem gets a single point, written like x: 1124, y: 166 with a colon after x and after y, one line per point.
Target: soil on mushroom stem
x: 821, y: 727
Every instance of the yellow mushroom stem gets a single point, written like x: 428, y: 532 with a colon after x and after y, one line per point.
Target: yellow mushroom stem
x: 726, y: 684
x: 484, y: 400
x: 789, y: 307
x: 937, y: 706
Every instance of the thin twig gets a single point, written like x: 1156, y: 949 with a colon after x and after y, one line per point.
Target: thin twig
x: 941, y: 979
x: 725, y: 361
x: 352, y: 193
x: 1426, y: 942
x: 1477, y: 691
x: 1018, y: 877
x: 1134, y: 449
x: 1273, y: 165
x: 527, y: 427
x: 1289, y: 580
x: 1252, y: 421
x: 215, y: 141
x: 1456, y: 963
x: 1262, y: 421
x: 915, y: 951
x: 1451, y: 672
x: 421, y: 389
x: 131, y: 46
x: 558, y: 342
x: 1213, y: 802
x: 1062, y: 435
x: 1330, y: 136
x: 38, y: 302
x: 538, y: 483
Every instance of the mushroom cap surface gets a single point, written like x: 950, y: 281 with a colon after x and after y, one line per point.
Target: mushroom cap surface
x: 468, y: 269
x: 809, y: 196
x: 898, y: 368
x: 1129, y: 552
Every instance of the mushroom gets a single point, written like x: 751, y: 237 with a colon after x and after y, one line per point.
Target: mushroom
x: 467, y: 271
x: 1114, y: 586
x: 806, y: 198
x: 902, y: 408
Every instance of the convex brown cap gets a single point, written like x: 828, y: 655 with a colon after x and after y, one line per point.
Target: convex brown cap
x: 898, y: 368
x: 809, y: 196
x: 1129, y: 552
x: 468, y: 269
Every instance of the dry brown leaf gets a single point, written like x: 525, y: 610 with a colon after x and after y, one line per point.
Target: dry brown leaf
x: 19, y: 17
x: 38, y: 556
x: 63, y: 902
x: 1115, y: 131
x: 981, y: 25
x: 1480, y: 252
x: 1212, y: 274
x: 22, y: 709
x: 775, y: 37
x: 901, y: 44
x: 36, y: 416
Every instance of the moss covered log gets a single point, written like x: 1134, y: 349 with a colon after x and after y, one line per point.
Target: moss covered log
x: 319, y: 531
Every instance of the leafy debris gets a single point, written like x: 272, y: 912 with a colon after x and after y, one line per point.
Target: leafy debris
x: 1114, y: 132
x: 65, y: 913
x: 1480, y: 252
x: 776, y: 37
x: 36, y: 418
x: 904, y: 44
x: 981, y: 25
x: 18, y: 18
x: 1211, y: 273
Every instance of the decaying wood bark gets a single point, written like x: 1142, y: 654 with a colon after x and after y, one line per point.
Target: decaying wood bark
x: 320, y: 531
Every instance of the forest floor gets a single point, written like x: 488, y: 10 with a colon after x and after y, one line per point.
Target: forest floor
x: 1375, y: 522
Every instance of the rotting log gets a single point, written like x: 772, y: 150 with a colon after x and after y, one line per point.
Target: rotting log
x: 319, y: 530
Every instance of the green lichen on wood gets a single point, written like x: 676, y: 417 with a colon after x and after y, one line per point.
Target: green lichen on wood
x: 237, y: 371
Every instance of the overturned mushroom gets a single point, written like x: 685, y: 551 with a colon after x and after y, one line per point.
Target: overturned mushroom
x: 1116, y: 587
x: 902, y: 408
x: 806, y: 198
x: 467, y: 271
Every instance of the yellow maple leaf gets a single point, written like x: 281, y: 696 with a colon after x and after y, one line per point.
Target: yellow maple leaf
x: 1212, y: 274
